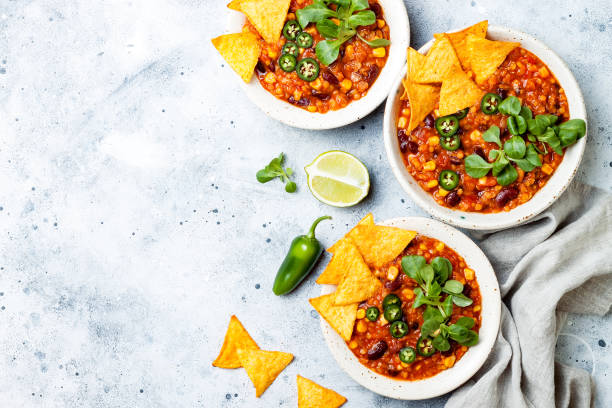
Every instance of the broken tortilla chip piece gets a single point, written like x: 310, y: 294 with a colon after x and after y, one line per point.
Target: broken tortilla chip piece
x: 340, y: 318
x: 440, y: 59
x: 340, y: 263
x: 312, y: 395
x: 357, y: 284
x: 234, y: 5
x: 268, y: 16
x: 459, y: 40
x: 241, y: 51
x: 458, y: 92
x: 486, y: 56
x: 423, y: 98
x: 236, y: 338
x: 263, y: 367
x: 367, y: 220
x: 380, y: 244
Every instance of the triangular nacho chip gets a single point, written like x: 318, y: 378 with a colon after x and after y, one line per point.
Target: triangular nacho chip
x: 440, y: 59
x: 340, y: 318
x: 367, y: 220
x: 458, y: 92
x: 263, y: 367
x: 234, y: 5
x: 459, y: 40
x: 312, y: 395
x: 414, y: 62
x: 236, y: 338
x: 486, y: 56
x: 241, y: 51
x: 423, y: 99
x: 357, y: 284
x: 268, y: 16
x: 341, y: 262
x: 379, y: 244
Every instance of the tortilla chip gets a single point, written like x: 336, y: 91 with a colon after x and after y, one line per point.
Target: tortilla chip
x: 485, y: 55
x: 459, y: 41
x: 268, y: 16
x: 458, y: 92
x: 342, y: 260
x: 340, y: 318
x: 312, y: 395
x: 379, y: 244
x: 440, y: 59
x: 414, y: 62
x: 236, y: 338
x: 367, y: 220
x: 241, y: 51
x: 423, y: 99
x: 357, y: 284
x: 263, y: 367
x: 404, y: 96
x: 234, y: 5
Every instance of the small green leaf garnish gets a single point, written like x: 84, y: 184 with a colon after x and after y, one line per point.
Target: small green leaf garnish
x: 275, y: 170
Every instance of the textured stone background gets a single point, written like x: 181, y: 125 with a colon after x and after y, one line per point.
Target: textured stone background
x: 131, y: 224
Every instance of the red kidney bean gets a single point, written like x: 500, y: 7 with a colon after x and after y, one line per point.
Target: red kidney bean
x: 372, y: 74
x: 452, y: 199
x: 377, y: 350
x: 414, y: 325
x: 467, y: 289
x: 394, y: 284
x: 375, y: 7
x: 391, y: 370
x: 503, y: 93
x: 302, y: 102
x: 329, y: 77
x: 260, y: 67
x: 402, y: 137
x: 272, y: 66
x: 479, y: 151
x: 429, y: 121
x: 320, y: 95
x: 455, y: 160
x: 506, y: 195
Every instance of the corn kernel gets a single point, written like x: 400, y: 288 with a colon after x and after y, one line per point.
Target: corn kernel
x: 547, y: 169
x: 406, y: 111
x: 336, y: 21
x: 392, y: 273
x: 408, y: 293
x: 449, y: 361
x: 478, y: 207
x: 415, y: 163
x: 476, y: 308
x: 272, y: 54
x: 380, y: 23
x: 433, y: 141
x: 312, y: 108
x: 346, y: 84
x: 402, y: 122
x: 442, y: 192
x: 316, y: 84
x: 403, y: 364
x: 270, y: 78
x: 543, y: 72
x: 360, y: 313
x: 429, y: 166
x: 382, y: 321
x: 460, y: 155
x: 290, y: 16
x: 379, y: 52
x: 469, y: 274
x: 475, y: 135
x: 353, y: 344
x: 361, y: 327
x: 422, y: 247
x: 439, y: 246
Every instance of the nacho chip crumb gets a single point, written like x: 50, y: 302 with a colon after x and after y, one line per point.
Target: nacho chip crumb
x: 486, y: 56
x: 312, y: 395
x: 241, y: 51
x: 458, y: 92
x: 440, y: 59
x: 268, y: 16
x: 263, y: 367
x: 236, y: 338
x: 340, y: 318
x: 459, y: 41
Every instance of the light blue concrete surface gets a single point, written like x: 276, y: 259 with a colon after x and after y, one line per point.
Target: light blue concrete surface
x: 131, y: 223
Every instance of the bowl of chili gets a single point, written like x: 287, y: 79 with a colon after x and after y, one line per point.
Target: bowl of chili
x: 428, y: 380
x: 499, y: 207
x: 292, y: 86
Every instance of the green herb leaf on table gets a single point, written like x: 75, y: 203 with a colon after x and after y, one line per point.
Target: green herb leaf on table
x: 275, y: 169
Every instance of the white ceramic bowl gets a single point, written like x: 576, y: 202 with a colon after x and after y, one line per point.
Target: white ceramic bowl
x: 397, y: 19
x: 543, y: 198
x: 471, y: 361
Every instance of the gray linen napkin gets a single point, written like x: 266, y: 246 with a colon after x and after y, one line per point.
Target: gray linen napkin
x: 559, y: 262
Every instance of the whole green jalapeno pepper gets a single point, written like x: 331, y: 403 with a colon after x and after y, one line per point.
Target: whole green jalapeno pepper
x: 302, y: 255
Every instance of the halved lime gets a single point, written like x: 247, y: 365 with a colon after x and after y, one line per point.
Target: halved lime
x: 338, y: 178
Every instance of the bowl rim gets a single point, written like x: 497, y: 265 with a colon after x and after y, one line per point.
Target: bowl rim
x: 396, y: 17
x: 545, y: 197
x: 473, y: 359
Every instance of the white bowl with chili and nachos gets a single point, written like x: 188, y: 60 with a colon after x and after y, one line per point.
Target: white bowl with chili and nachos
x: 410, y: 307
x: 314, y: 65
x: 496, y: 130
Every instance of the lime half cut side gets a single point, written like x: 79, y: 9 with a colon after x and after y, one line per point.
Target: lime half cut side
x: 338, y: 179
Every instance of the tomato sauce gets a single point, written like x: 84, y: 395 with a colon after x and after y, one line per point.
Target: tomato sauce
x: 367, y: 334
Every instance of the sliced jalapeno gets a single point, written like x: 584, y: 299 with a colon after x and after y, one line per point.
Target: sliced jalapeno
x: 291, y: 29
x: 304, y: 40
x: 448, y: 179
x: 391, y: 299
x: 407, y: 355
x: 372, y: 313
x: 398, y: 329
x: 447, y: 125
x: 450, y: 143
x: 287, y: 62
x: 489, y: 103
x: 425, y: 347
x: 290, y: 48
x: 393, y: 313
x: 307, y: 69
x: 462, y: 113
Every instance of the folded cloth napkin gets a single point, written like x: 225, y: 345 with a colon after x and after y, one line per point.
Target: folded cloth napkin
x: 559, y: 262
